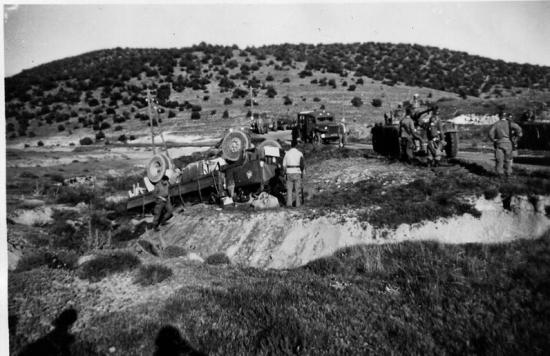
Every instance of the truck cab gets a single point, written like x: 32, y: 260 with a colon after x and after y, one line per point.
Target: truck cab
x: 318, y: 127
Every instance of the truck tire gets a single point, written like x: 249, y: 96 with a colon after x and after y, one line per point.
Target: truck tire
x: 451, y: 148
x: 233, y: 144
x: 157, y: 166
x: 316, y: 140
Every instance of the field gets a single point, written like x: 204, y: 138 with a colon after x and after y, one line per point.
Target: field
x: 384, y: 258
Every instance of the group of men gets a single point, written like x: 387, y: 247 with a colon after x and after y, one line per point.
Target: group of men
x: 503, y: 134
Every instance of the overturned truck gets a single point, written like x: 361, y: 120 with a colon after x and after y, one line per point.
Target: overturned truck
x: 247, y: 168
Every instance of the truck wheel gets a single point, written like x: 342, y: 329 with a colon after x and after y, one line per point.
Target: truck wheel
x: 451, y: 148
x: 316, y: 140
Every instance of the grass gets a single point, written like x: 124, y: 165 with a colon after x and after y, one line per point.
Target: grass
x: 49, y: 258
x: 152, y: 274
x: 105, y: 265
x: 217, y: 259
x: 406, y: 298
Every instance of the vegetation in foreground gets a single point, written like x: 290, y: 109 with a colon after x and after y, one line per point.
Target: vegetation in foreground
x: 407, y: 298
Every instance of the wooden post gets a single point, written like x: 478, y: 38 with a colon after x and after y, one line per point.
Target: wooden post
x: 151, y: 121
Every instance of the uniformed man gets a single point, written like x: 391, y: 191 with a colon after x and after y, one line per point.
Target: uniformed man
x: 502, y: 133
x: 434, y: 133
x: 163, y: 206
x: 342, y: 132
x: 294, y: 167
x: 407, y: 135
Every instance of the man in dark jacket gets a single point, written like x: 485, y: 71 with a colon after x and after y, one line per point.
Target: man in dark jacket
x: 434, y: 133
x: 407, y: 135
x: 501, y: 133
x: 163, y: 206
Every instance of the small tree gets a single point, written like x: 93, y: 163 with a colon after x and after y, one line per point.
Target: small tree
x: 225, y: 114
x: 356, y: 101
x: 376, y: 102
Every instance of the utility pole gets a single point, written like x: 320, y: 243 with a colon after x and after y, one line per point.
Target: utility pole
x: 151, y: 121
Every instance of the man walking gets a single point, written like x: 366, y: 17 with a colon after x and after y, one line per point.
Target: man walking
x: 294, y: 167
x: 163, y: 206
x: 434, y: 133
x: 502, y: 133
x: 407, y: 135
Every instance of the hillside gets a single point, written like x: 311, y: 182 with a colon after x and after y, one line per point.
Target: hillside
x: 105, y: 90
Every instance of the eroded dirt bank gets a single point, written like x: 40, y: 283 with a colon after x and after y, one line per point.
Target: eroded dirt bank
x: 287, y: 239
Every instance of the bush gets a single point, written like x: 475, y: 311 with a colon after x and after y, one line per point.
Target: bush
x: 105, y: 265
x: 218, y: 259
x: 99, y: 136
x: 227, y: 101
x: 286, y: 80
x: 152, y: 274
x: 86, y: 141
x: 40, y: 143
x: 74, y: 195
x: 104, y: 125
x: 122, y: 138
x: 225, y: 114
x: 376, y: 102
x: 356, y: 101
x: 287, y: 100
x: 351, y: 87
x: 51, y: 259
x: 325, y: 266
x: 118, y: 128
x: 171, y: 114
x: 172, y: 251
x: 195, y: 115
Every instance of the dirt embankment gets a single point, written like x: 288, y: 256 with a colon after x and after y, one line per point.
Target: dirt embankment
x: 287, y: 239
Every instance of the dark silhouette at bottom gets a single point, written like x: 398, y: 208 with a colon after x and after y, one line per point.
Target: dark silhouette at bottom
x: 57, y: 342
x: 170, y: 343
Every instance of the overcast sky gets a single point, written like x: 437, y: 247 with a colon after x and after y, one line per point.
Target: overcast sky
x: 512, y: 31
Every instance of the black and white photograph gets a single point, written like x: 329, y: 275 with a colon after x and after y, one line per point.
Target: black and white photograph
x: 275, y: 178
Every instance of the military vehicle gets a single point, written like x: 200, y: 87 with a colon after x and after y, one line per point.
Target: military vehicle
x: 318, y: 127
x: 385, y: 135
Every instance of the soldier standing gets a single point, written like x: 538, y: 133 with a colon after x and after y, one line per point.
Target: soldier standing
x: 163, y: 206
x: 434, y: 133
x: 294, y: 167
x: 407, y: 135
x: 502, y: 133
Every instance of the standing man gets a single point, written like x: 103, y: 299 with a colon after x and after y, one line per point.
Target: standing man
x: 407, y: 135
x: 163, y: 206
x: 502, y: 133
x: 342, y: 132
x: 434, y: 133
x: 294, y: 167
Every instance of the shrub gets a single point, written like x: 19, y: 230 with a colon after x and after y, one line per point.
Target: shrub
x: 286, y: 80
x: 356, y: 101
x: 171, y: 114
x: 172, y: 251
x: 218, y: 259
x: 376, y: 102
x: 316, y: 99
x: 99, y: 136
x: 227, y: 101
x: 152, y: 274
x: 105, y: 265
x: 195, y: 115
x: 40, y: 143
x: 287, y: 100
x: 51, y: 259
x: 118, y: 128
x: 75, y: 195
x: 351, y: 87
x: 225, y: 114
x: 325, y: 266
x: 86, y: 141
x: 104, y: 125
x: 122, y: 138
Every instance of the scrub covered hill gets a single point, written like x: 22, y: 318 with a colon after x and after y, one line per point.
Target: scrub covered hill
x: 103, y: 89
